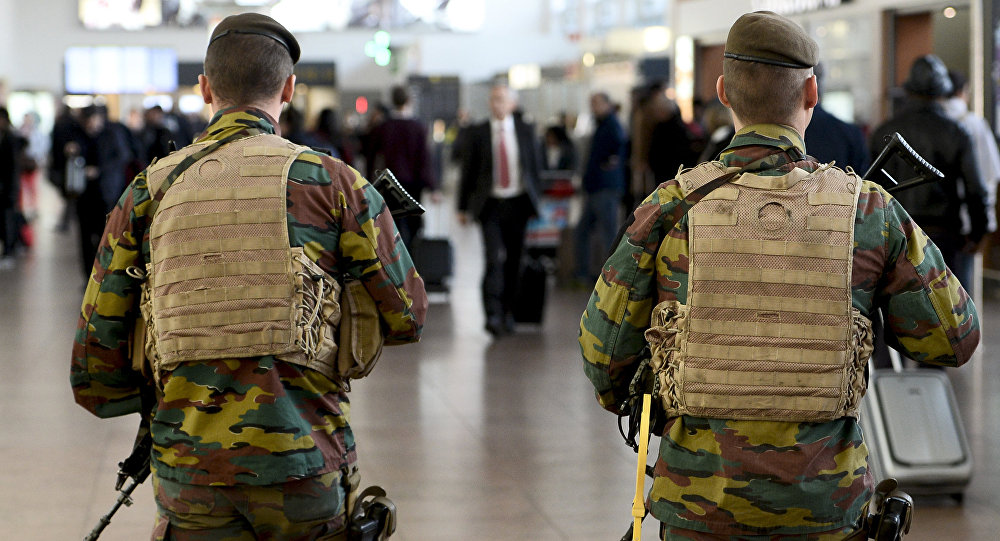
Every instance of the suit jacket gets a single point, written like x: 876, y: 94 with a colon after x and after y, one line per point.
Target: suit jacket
x: 830, y: 139
x: 476, y: 182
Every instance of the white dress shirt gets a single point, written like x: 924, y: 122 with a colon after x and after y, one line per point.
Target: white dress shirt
x: 515, y: 187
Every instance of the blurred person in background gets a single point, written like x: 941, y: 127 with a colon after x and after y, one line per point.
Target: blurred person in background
x: 938, y: 207
x: 330, y: 135
x: 107, y: 152
x: 155, y: 137
x: 603, y: 186
x: 719, y: 127
x: 9, y: 190
x: 649, y: 108
x: 671, y: 145
x: 829, y: 139
x: 400, y: 144
x: 366, y: 133
x: 498, y: 187
x: 984, y: 146
x: 34, y: 159
x: 67, y: 134
x: 293, y: 128
x: 558, y: 152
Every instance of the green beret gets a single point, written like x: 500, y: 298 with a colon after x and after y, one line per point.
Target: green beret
x: 769, y: 38
x: 261, y: 25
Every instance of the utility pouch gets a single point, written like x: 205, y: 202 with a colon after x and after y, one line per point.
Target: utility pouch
x: 140, y: 341
x: 373, y: 516
x: 360, y: 337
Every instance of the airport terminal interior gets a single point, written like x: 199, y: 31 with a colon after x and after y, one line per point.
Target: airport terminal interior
x: 475, y: 436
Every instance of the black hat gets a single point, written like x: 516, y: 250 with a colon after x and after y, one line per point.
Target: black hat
x: 262, y: 25
x: 769, y: 38
x: 928, y: 77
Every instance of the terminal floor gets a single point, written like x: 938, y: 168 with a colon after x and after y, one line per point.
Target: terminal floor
x: 474, y: 438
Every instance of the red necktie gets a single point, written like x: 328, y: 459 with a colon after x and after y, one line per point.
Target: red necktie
x: 504, y: 169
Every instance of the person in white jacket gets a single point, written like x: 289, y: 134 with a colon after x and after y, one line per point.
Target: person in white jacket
x: 985, y: 150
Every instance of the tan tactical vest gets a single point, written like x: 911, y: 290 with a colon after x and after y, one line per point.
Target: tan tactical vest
x: 769, y: 332
x: 223, y: 281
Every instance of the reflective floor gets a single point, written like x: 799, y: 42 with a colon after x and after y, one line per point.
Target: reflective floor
x: 474, y: 439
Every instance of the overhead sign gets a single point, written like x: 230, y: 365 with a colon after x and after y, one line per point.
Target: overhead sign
x: 791, y: 7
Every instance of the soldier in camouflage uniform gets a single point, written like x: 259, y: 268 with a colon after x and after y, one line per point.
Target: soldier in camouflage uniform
x: 729, y: 473
x: 253, y: 447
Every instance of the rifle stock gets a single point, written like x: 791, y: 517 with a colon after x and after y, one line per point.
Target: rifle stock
x: 896, y: 146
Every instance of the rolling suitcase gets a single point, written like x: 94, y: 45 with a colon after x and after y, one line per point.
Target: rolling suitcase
x: 432, y: 251
x: 529, y: 306
x: 434, y: 259
x: 914, y: 431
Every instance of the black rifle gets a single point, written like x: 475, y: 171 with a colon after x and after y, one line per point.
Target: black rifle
x: 133, y: 469
x: 399, y: 201
x: 896, y: 146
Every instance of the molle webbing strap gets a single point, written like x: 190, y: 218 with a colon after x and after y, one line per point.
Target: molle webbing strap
x: 768, y: 330
x: 157, y: 189
x: 222, y: 280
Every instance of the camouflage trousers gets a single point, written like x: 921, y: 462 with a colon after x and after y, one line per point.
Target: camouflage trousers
x: 677, y: 534
x: 303, y: 510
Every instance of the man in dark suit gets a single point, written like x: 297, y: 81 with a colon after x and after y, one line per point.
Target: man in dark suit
x: 829, y: 139
x: 498, y: 187
x: 400, y: 144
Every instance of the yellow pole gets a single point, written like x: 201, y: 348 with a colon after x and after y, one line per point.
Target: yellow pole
x: 638, y: 503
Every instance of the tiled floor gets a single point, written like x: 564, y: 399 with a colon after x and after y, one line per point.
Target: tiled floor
x: 474, y: 439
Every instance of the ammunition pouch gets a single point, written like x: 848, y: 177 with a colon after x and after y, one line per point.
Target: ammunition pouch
x: 360, y: 335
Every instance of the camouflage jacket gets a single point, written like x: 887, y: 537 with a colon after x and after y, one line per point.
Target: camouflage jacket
x: 246, y: 421
x: 761, y: 477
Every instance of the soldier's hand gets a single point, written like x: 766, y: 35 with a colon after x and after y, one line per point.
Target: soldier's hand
x: 463, y: 218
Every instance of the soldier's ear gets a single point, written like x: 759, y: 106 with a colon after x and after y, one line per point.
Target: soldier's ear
x: 811, y: 92
x: 720, y: 89
x: 206, y: 89
x: 288, y: 90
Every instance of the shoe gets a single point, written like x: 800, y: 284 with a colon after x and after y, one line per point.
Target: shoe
x: 495, y: 327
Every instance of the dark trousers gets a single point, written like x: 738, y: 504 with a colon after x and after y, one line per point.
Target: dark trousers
x: 503, y: 222
x: 91, y: 217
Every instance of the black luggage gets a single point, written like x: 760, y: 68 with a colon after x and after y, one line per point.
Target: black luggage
x: 914, y: 431
x: 434, y: 259
x: 529, y: 306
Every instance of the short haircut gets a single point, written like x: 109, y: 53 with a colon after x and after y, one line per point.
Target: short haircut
x: 246, y: 69
x: 400, y: 96
x: 762, y: 93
